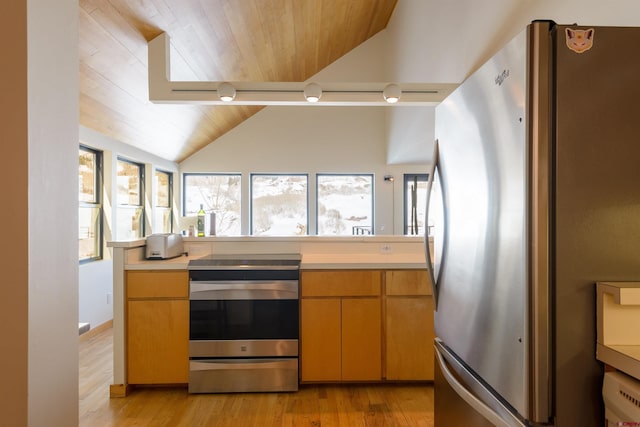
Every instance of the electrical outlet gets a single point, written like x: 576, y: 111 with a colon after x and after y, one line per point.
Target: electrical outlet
x: 386, y: 249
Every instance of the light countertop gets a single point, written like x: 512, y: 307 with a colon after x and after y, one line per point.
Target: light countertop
x: 363, y: 261
x: 309, y: 262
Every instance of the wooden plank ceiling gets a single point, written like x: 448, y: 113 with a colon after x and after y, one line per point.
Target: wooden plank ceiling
x: 211, y: 40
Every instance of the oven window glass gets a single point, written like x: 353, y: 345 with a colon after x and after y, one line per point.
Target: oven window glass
x: 243, y: 319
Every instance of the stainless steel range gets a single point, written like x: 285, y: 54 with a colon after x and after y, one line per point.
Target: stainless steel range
x: 243, y: 326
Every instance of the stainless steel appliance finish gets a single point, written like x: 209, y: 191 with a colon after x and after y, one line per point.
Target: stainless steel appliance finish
x: 244, y: 324
x: 243, y: 375
x: 164, y: 246
x: 537, y: 168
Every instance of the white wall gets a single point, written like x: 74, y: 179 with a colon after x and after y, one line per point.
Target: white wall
x: 310, y: 140
x: 407, y: 128
x: 52, y: 40
x: 96, y: 277
x: 367, y: 63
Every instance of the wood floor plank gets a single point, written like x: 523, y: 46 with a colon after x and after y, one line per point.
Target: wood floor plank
x: 327, y: 405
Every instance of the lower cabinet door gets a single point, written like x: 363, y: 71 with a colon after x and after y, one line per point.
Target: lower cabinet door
x: 361, y: 339
x: 320, y: 339
x: 409, y: 338
x: 157, y: 341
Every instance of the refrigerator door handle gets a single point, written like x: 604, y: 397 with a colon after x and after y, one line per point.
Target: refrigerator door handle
x: 430, y: 263
x: 503, y: 419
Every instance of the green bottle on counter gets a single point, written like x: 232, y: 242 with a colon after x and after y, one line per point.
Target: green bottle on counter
x: 201, y: 222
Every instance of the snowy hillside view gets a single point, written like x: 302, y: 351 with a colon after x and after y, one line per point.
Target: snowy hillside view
x: 345, y: 204
x: 279, y: 203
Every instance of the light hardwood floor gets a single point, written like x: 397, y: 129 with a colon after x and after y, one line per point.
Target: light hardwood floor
x: 318, y: 406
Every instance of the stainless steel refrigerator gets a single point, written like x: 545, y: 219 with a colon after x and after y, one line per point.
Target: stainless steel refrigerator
x: 535, y: 196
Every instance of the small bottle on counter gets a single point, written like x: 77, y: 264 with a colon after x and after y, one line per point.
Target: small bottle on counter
x: 201, y: 221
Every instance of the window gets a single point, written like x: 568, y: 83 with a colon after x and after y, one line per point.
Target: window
x: 90, y: 204
x: 345, y: 204
x: 279, y: 205
x: 162, y: 213
x: 217, y: 193
x: 415, y: 203
x: 130, y: 211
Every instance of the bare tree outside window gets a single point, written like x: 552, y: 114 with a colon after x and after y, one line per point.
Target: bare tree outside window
x: 163, y: 216
x: 217, y: 193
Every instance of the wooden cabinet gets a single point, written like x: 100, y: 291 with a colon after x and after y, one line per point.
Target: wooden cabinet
x: 361, y: 339
x: 157, y: 326
x: 321, y: 339
x: 409, y: 332
x: 341, y: 336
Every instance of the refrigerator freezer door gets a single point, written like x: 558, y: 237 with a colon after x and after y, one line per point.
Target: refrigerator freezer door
x: 465, y: 398
x: 482, y: 286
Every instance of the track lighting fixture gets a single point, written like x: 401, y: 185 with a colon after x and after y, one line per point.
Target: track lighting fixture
x: 226, y: 92
x: 391, y: 93
x: 312, y: 92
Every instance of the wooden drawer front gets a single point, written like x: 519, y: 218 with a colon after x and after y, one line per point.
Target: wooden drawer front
x: 407, y: 282
x: 157, y: 284
x: 341, y: 283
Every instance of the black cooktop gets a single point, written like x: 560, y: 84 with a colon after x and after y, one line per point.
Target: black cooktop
x: 246, y: 262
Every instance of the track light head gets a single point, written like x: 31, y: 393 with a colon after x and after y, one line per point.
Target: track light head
x: 312, y: 92
x: 391, y: 93
x: 226, y: 92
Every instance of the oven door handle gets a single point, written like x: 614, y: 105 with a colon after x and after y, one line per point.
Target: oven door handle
x: 250, y: 289
x: 234, y: 364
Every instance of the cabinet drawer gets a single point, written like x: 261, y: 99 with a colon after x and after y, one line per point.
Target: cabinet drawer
x: 157, y: 284
x: 407, y: 282
x: 331, y: 283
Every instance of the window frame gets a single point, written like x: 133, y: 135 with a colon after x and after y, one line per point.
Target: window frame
x: 369, y: 175
x: 141, y: 206
x: 97, y: 203
x: 408, y: 179
x: 252, y: 207
x: 156, y: 206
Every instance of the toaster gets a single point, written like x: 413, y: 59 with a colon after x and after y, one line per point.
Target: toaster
x: 164, y: 246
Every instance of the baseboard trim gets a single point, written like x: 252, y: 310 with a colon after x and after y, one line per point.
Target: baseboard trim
x: 119, y: 390
x: 95, y: 331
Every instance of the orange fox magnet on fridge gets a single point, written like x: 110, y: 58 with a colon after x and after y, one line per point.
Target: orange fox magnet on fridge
x: 579, y: 40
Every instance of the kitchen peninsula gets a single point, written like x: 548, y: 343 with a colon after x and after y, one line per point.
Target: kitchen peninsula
x: 347, y: 283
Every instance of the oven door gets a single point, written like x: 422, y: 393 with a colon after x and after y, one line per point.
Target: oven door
x: 243, y: 319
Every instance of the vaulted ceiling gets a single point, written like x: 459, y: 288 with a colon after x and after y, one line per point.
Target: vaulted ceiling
x: 211, y: 40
